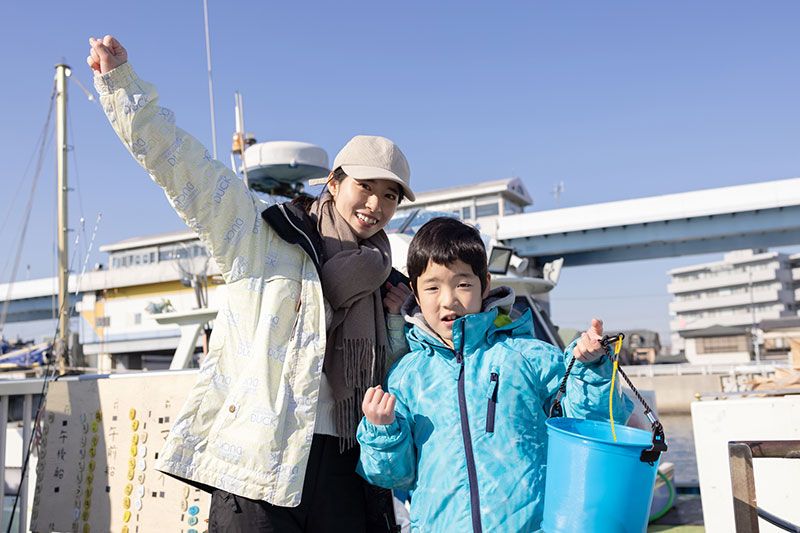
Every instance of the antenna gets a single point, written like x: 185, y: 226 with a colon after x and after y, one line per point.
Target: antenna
x: 558, y: 190
x: 210, y: 82
x: 193, y: 273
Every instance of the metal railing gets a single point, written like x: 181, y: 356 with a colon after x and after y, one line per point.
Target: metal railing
x: 686, y: 369
x: 27, y: 388
x: 745, y: 510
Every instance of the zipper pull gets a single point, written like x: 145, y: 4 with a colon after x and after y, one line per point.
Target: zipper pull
x: 296, y: 319
x: 491, y: 406
x: 491, y: 392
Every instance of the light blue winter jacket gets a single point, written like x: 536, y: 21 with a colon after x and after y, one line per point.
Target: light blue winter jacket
x: 469, y: 436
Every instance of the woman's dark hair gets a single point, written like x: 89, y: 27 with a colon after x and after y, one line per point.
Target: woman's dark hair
x: 444, y: 241
x: 304, y: 201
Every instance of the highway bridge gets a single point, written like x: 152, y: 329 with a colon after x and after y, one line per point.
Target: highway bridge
x: 757, y: 215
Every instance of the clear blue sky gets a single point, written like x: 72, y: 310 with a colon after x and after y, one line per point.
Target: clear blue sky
x: 617, y: 99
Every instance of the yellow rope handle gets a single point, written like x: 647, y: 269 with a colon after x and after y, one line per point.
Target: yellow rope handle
x: 617, y: 348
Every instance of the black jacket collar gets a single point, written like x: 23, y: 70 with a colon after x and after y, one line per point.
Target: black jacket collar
x: 295, y: 226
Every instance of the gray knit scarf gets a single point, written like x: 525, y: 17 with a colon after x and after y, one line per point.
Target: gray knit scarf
x: 356, y: 348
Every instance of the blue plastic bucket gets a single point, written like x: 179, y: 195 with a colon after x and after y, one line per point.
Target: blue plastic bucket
x: 593, y: 483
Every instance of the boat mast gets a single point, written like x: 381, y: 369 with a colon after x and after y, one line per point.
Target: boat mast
x: 62, y: 342
x: 240, y: 138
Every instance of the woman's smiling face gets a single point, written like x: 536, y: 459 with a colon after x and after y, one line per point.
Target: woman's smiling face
x: 366, y: 205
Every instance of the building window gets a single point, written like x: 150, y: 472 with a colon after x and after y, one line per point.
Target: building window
x: 487, y: 210
x: 466, y: 212
x: 737, y: 343
x: 137, y: 318
x: 102, y: 322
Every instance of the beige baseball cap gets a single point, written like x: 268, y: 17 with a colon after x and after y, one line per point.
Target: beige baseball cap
x: 371, y: 157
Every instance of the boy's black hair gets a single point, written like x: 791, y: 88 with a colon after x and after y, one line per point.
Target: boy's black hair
x: 445, y: 240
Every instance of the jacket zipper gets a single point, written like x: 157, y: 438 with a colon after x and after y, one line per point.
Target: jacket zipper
x: 492, y: 405
x: 301, y: 232
x: 472, y: 473
x: 296, y: 319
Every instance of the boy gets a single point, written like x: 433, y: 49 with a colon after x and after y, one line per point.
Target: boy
x: 462, y: 425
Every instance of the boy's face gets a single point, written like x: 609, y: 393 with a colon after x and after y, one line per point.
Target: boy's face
x: 445, y: 293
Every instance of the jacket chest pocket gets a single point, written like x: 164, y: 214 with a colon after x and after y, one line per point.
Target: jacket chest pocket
x: 491, y: 396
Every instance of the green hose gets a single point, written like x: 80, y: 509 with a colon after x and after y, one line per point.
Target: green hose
x: 670, y: 500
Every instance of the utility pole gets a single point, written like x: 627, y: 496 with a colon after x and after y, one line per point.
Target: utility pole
x: 62, y: 341
x: 753, y: 332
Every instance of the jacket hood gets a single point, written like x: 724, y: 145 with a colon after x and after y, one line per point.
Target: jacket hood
x: 477, y: 327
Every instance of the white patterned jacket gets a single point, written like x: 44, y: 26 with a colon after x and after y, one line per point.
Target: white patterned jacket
x: 248, y: 423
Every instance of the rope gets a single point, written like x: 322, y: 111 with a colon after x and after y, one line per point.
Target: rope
x: 639, y: 397
x: 563, y: 387
x: 615, y: 358
x: 611, y: 400
x: 555, y: 408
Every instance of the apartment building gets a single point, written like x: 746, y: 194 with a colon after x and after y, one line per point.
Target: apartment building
x: 716, y: 306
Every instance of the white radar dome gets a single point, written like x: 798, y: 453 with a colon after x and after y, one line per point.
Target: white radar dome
x: 278, y: 165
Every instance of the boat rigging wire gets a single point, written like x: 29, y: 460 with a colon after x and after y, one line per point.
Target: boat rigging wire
x: 42, y: 137
x: 50, y: 367
x: 89, y: 95
x: 88, y: 251
x: 45, y: 137
x: 27, y: 215
x: 78, y: 188
x: 49, y: 371
x: 74, y: 152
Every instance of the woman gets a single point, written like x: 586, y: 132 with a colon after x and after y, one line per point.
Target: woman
x: 269, y: 427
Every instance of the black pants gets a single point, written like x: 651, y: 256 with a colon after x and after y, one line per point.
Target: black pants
x: 335, y: 499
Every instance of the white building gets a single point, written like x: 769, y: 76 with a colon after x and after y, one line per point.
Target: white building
x: 716, y: 305
x: 115, y: 309
x: 794, y: 263
x: 481, y: 204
